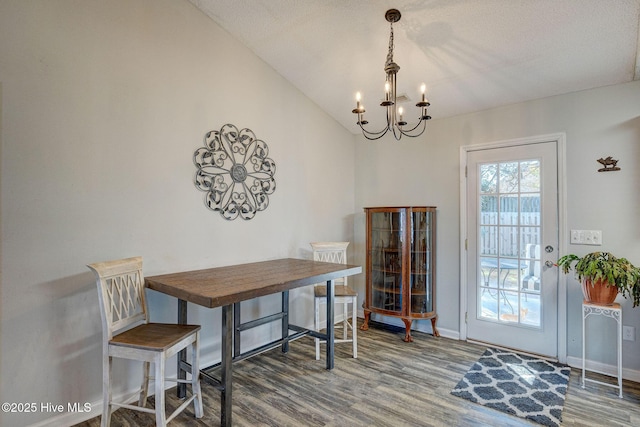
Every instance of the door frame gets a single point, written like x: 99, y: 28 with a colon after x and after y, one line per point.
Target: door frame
x: 559, y: 139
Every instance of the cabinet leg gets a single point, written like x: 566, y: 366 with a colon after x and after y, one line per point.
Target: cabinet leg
x: 365, y: 323
x: 433, y: 326
x: 407, y: 326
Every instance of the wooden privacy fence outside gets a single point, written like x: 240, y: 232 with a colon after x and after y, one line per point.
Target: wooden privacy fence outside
x: 512, y: 236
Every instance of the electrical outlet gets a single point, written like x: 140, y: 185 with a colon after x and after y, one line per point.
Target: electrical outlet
x: 628, y: 333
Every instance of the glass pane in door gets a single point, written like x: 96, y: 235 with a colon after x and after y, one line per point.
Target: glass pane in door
x: 509, y: 243
x: 386, y: 260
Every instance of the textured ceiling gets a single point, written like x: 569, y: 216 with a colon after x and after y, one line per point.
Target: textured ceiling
x: 472, y: 54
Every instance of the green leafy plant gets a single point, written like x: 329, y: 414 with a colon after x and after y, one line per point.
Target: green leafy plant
x: 618, y: 272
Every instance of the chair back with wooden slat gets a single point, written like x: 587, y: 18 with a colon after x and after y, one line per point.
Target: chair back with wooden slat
x: 121, y: 293
x: 335, y: 252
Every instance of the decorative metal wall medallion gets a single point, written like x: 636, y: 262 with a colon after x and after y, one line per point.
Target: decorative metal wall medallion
x: 235, y: 170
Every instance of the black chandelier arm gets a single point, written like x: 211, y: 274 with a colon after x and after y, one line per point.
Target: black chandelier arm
x: 407, y: 132
x: 392, y: 124
x: 374, y: 135
x: 398, y: 131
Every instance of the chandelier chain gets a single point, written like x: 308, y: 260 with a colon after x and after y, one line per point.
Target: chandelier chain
x: 390, y: 53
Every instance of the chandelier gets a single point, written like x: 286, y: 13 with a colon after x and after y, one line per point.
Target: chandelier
x: 395, y: 120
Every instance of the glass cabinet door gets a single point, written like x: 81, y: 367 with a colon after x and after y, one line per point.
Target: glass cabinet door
x: 387, y: 231
x: 421, y: 258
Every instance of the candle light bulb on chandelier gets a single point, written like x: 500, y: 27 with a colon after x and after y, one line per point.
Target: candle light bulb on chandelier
x: 359, y: 110
x: 401, y: 122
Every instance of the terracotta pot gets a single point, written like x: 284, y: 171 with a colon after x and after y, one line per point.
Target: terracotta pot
x: 598, y: 293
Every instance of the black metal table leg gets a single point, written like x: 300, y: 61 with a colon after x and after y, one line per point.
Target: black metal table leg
x: 285, y: 321
x: 330, y: 315
x: 236, y: 329
x: 226, y: 372
x: 182, y: 355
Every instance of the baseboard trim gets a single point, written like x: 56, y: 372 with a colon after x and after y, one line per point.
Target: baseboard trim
x: 627, y: 374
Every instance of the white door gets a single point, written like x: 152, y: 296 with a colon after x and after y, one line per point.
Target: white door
x: 512, y: 232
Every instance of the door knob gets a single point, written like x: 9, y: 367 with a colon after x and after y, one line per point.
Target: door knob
x: 549, y: 264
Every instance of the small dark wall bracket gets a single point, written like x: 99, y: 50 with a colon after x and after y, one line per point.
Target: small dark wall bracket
x: 609, y: 163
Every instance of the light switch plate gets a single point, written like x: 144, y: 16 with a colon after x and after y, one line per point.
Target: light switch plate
x: 586, y: 237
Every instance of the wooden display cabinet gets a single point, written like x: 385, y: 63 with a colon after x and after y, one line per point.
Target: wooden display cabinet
x: 400, y: 272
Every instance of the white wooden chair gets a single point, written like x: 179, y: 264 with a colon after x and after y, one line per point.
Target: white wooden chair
x: 123, y: 305
x: 336, y: 252
x: 532, y: 274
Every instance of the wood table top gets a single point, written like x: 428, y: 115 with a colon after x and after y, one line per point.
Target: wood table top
x: 216, y: 287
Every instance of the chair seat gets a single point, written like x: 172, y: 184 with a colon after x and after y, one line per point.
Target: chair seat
x: 340, y: 291
x: 154, y: 336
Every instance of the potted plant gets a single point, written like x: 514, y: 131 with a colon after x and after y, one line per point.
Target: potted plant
x: 603, y: 276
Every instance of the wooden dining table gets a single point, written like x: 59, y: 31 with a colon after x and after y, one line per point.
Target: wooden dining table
x: 227, y: 287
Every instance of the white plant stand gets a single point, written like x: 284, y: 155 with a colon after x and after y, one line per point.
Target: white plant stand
x: 613, y: 311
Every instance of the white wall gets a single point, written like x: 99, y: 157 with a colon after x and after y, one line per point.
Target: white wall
x: 103, y: 105
x: 425, y: 171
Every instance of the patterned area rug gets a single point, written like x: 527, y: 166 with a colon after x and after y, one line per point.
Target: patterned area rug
x: 516, y: 384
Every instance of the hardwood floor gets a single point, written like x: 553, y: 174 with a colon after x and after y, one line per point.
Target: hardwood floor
x: 392, y: 383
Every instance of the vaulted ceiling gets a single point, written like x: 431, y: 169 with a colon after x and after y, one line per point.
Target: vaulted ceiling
x: 471, y: 54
